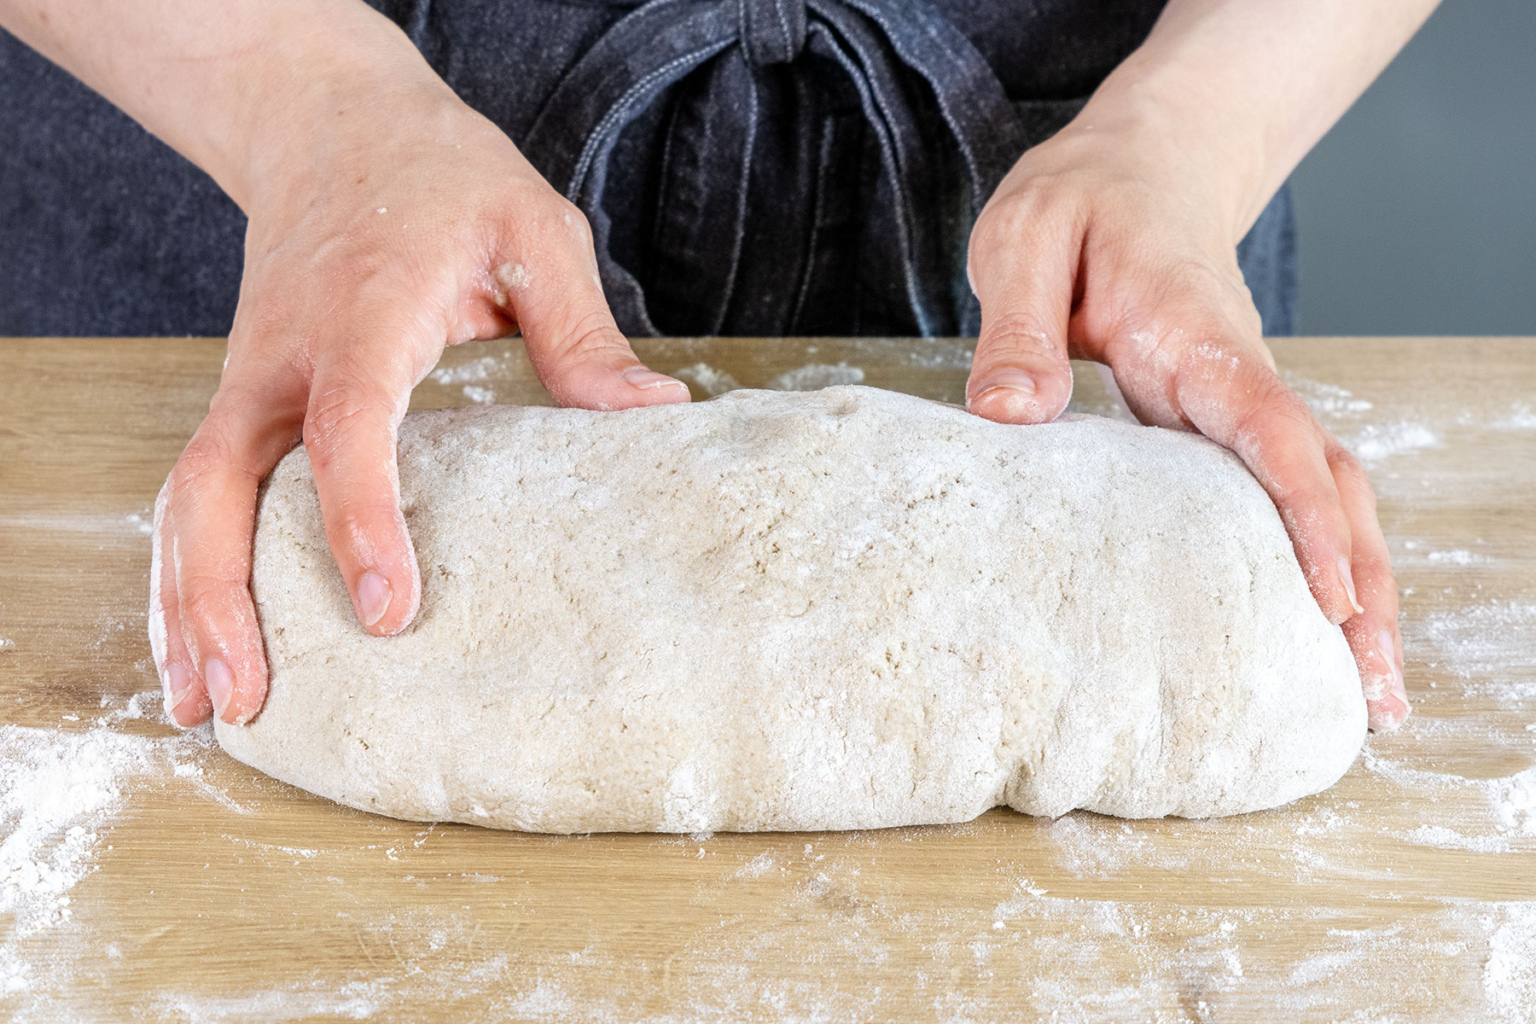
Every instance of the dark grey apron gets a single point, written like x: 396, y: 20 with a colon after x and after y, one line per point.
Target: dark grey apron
x: 750, y: 167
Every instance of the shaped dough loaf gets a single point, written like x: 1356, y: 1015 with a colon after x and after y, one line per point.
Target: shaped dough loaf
x: 839, y: 610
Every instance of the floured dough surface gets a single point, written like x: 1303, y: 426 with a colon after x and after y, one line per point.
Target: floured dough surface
x: 843, y: 609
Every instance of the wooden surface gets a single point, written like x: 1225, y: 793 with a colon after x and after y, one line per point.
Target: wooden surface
x: 148, y: 877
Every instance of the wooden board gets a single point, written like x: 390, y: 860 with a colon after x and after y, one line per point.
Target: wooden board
x: 148, y: 877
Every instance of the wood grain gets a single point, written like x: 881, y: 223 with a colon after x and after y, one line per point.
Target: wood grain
x: 216, y: 894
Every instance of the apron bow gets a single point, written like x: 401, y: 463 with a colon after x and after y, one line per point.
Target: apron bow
x: 742, y: 51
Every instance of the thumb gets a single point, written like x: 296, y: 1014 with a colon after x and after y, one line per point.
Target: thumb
x: 577, y: 350
x: 1020, y: 373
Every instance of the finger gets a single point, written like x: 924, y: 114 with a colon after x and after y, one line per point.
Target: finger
x: 186, y: 699
x: 1373, y: 633
x: 552, y: 286
x: 356, y: 403
x: 1024, y: 281
x: 1232, y: 397
x: 212, y: 509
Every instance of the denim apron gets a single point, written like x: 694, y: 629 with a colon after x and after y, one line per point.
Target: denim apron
x: 749, y: 167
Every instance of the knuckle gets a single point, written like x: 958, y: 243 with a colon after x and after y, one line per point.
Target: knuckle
x: 1020, y: 332
x: 262, y: 325
x: 357, y: 523
x: 237, y: 441
x: 1272, y: 408
x: 1311, y: 505
x: 210, y: 455
x: 593, y: 336
x: 551, y: 218
x: 208, y: 598
x: 1354, y: 485
x: 1345, y: 462
x: 1009, y: 218
x: 1372, y: 567
x: 347, y: 408
x: 1193, y: 291
x: 1376, y: 590
x: 572, y: 218
x: 347, y: 528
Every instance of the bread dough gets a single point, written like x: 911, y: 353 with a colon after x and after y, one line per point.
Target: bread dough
x: 838, y: 610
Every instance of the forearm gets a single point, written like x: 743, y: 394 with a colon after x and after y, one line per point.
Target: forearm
x: 1242, y: 89
x: 230, y: 84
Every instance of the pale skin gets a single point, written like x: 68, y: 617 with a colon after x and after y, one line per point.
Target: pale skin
x: 388, y: 220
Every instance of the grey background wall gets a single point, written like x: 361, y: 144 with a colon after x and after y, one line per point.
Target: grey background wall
x: 1417, y: 213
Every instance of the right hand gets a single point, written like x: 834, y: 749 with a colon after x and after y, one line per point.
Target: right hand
x: 401, y: 223
x: 1106, y: 243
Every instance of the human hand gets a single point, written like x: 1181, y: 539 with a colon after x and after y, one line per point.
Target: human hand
x: 399, y: 223
x: 1114, y: 246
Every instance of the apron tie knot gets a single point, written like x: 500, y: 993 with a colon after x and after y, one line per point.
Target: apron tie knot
x: 731, y: 68
x: 772, y: 31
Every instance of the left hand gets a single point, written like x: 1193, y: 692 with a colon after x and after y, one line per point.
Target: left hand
x: 1112, y: 248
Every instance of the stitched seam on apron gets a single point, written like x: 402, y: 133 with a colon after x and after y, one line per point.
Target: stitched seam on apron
x: 596, y: 139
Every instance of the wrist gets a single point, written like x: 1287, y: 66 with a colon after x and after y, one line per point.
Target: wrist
x: 305, y: 89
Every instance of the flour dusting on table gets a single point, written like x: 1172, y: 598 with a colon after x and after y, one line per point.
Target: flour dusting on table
x: 815, y: 376
x: 61, y: 794
x: 1041, y: 947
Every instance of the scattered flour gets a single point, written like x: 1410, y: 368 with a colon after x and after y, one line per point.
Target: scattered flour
x: 1458, y: 556
x: 1374, y: 444
x: 1031, y: 956
x: 1327, y: 401
x: 7, y: 645
x: 140, y: 705
x: 815, y: 376
x: 57, y: 789
x: 1520, y: 418
x: 1465, y: 947
x: 134, y: 524
x: 927, y: 353
x: 1514, y: 801
x: 351, y: 1001
x: 810, y: 377
x: 1450, y: 839
x: 1488, y: 642
x: 426, y: 971
x: 1509, y: 973
x: 471, y: 376
x: 469, y: 372
x: 60, y: 793
x: 1509, y: 802
x: 1091, y: 847
x: 708, y: 379
x: 1342, y: 412
x: 757, y: 867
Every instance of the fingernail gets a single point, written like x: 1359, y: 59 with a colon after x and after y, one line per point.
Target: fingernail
x: 1388, y: 716
x: 373, y: 597
x: 1015, y: 389
x: 1388, y: 648
x: 221, y: 684
x: 176, y: 682
x: 1390, y: 707
x: 1348, y: 579
x: 1381, y: 682
x: 647, y: 379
